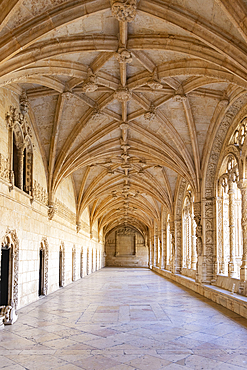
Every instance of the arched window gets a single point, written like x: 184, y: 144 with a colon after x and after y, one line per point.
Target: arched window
x: 189, y: 255
x: 20, y: 150
x: 228, y: 209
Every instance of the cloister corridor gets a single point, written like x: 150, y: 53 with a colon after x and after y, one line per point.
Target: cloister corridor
x: 124, y: 319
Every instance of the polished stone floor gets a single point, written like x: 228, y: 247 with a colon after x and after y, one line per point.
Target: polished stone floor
x: 124, y: 319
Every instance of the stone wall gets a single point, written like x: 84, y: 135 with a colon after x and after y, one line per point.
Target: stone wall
x: 126, y: 247
x: 26, y: 216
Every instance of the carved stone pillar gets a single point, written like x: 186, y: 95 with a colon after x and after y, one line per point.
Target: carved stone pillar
x: 20, y: 164
x: 193, y: 244
x: 243, y: 269
x: 232, y: 263
x: 199, y: 249
x: 162, y: 257
x: 151, y: 252
x: 155, y: 249
x: 116, y: 245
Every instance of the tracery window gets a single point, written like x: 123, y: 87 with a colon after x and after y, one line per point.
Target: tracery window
x: 20, y: 150
x: 228, y: 230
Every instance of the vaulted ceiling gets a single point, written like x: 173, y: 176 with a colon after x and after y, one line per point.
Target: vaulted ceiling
x: 124, y: 95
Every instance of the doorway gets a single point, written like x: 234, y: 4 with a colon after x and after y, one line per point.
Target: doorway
x: 41, y: 272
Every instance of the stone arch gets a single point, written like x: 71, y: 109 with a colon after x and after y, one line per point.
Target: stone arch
x: 10, y: 241
x: 62, y: 265
x: 45, y: 249
x: 233, y: 115
x: 88, y: 261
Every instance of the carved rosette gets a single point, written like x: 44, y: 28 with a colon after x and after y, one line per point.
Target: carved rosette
x: 123, y: 56
x: 124, y: 10
x: 122, y: 94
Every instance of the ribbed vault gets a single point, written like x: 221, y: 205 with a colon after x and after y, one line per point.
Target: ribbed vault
x: 129, y: 101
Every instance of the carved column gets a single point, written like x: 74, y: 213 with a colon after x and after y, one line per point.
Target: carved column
x: 197, y: 219
x: 20, y: 164
x: 232, y: 263
x: 162, y: 258
x: 155, y: 249
x: 151, y: 254
x: 243, y: 269
x: 116, y: 245
x: 193, y: 244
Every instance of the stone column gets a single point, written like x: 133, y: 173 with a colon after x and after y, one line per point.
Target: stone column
x: 116, y: 245
x: 155, y: 249
x: 199, y: 249
x: 232, y: 263
x: 162, y: 265
x: 20, y: 164
x: 151, y: 252
x: 193, y: 244
x: 243, y: 269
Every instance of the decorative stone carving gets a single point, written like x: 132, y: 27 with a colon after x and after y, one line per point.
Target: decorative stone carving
x: 154, y: 84
x: 150, y: 115
x: 39, y: 193
x: 78, y: 226
x: 10, y: 240
x: 24, y: 106
x: 44, y: 247
x: 51, y: 211
x: 197, y: 218
x: 123, y: 56
x: 124, y: 10
x: 122, y: 94
x: 240, y: 133
x: 4, y: 168
x: 91, y: 83
x: 8, y: 315
x: 97, y: 114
